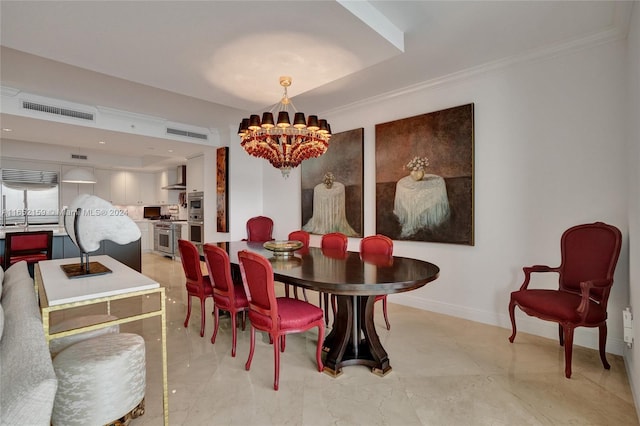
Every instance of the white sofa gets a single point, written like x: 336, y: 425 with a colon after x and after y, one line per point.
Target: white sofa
x: 28, y: 382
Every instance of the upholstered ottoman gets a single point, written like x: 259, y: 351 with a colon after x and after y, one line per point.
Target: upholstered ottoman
x: 58, y: 345
x: 100, y: 380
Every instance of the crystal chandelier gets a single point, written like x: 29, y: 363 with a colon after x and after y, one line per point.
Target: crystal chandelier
x: 283, y: 144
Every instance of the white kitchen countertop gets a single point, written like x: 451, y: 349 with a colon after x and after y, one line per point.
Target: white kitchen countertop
x: 57, y: 229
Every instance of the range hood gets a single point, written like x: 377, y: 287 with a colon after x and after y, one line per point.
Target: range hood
x: 181, y: 179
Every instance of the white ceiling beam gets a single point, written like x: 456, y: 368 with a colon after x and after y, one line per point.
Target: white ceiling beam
x: 371, y: 16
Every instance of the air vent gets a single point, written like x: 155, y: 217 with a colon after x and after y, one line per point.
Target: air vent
x: 57, y: 110
x: 26, y: 178
x: 187, y: 133
x: 78, y: 157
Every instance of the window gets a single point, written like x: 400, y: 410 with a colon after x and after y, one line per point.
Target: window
x: 29, y: 195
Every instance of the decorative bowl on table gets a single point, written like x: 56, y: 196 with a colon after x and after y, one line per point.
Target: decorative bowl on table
x: 283, y: 248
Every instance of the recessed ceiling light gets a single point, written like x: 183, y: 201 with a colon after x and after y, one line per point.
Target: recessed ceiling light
x: 101, y: 142
x: 6, y: 129
x: 170, y: 150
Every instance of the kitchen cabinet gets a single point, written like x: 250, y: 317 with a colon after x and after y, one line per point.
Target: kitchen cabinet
x: 195, y: 174
x: 146, y: 235
x: 146, y: 188
x: 102, y: 187
x: 118, y: 187
x: 132, y: 188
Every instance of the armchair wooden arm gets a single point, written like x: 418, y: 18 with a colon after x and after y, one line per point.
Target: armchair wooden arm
x: 535, y: 268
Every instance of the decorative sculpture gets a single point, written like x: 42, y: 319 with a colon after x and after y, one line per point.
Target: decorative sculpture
x: 89, y: 220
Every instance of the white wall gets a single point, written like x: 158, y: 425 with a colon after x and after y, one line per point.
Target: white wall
x: 633, y: 160
x: 549, y: 154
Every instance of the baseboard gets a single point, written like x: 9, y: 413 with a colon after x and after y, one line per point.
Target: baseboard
x: 586, y: 337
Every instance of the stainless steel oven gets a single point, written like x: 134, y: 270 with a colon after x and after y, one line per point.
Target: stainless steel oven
x: 196, y: 234
x: 195, y: 206
x: 165, y: 237
x: 195, y: 201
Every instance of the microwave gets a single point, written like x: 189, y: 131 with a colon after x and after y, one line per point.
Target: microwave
x: 195, y: 206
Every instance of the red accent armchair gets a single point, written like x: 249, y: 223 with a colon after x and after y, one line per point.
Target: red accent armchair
x: 198, y: 285
x: 259, y: 229
x: 589, y: 254
x: 227, y: 295
x: 378, y: 245
x: 276, y: 316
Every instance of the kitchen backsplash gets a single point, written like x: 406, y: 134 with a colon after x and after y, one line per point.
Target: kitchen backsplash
x: 136, y: 212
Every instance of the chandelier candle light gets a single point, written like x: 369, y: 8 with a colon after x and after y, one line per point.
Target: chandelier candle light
x: 283, y: 144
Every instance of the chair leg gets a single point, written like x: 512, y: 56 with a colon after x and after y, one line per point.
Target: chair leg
x: 252, y: 346
x: 276, y: 358
x: 186, y: 321
x: 202, y: 317
x: 512, y: 314
x: 234, y: 333
x: 384, y: 311
x: 603, y: 343
x: 216, y: 322
x: 244, y: 319
x: 319, y: 347
x: 304, y: 294
x: 283, y: 342
x: 560, y: 334
x: 286, y: 290
x: 568, y: 349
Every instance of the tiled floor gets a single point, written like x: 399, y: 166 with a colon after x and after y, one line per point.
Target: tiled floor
x: 446, y: 371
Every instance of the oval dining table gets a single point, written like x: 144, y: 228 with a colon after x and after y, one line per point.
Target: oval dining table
x: 356, y: 281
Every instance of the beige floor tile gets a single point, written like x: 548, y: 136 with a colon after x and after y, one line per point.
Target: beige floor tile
x: 446, y: 371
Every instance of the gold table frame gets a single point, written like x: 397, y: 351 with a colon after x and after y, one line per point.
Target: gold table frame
x: 46, y: 310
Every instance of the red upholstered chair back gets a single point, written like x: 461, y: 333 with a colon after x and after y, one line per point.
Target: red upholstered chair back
x: 335, y: 242
x: 32, y: 247
x: 259, y: 229
x: 190, y: 262
x: 302, y: 236
x: 219, y: 268
x: 589, y: 252
x: 257, y: 275
x: 376, y: 245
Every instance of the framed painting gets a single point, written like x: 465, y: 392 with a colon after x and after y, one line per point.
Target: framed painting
x: 222, y: 189
x: 332, y: 187
x: 424, y: 177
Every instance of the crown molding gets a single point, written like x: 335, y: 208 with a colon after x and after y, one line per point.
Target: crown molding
x: 610, y: 35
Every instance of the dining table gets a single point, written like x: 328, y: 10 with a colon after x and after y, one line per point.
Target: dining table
x: 355, y: 280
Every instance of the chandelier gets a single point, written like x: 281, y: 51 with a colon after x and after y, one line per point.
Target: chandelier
x: 283, y: 144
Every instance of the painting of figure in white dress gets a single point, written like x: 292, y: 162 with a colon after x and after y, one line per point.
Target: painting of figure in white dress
x: 332, y: 187
x: 424, y: 177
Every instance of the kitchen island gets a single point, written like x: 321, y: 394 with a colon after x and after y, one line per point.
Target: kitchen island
x: 63, y: 248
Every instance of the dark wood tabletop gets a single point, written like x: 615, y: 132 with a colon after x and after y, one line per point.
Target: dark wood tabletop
x: 346, y: 275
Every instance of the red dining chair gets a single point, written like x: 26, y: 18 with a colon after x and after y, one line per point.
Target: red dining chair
x: 227, y: 295
x: 304, y: 238
x: 31, y: 246
x: 332, y: 244
x: 589, y: 254
x: 198, y: 285
x: 276, y: 316
x: 379, y: 245
x: 259, y: 229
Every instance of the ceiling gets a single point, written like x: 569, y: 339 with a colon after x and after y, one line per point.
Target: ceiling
x: 209, y: 63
